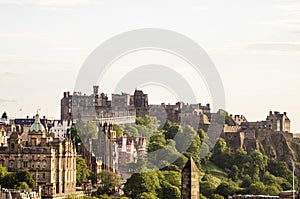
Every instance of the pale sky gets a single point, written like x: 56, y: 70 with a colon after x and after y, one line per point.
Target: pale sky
x: 255, y: 46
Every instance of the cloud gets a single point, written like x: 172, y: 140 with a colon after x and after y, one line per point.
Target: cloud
x: 50, y: 3
x: 6, y: 100
x: 289, y: 17
x: 278, y: 48
x: 290, y: 9
x: 273, y: 47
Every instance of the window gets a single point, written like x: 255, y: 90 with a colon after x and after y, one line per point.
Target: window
x: 44, y: 164
x: 44, y: 175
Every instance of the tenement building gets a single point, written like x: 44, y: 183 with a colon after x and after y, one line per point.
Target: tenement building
x: 50, y: 159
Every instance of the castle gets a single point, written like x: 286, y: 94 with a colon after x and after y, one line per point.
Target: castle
x: 240, y: 130
x: 78, y: 107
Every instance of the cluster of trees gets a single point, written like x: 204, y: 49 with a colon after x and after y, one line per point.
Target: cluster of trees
x: 154, y: 185
x: 21, y: 180
x: 247, y: 173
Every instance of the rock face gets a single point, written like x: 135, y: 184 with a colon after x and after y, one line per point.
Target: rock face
x: 278, y: 145
x: 190, y: 181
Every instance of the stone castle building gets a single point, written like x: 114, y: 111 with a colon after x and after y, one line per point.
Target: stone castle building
x: 96, y: 106
x: 50, y: 160
x: 244, y: 131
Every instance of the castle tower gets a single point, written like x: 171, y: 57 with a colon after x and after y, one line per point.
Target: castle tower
x: 190, y: 181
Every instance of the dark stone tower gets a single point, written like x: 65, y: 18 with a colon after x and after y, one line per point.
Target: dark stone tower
x: 190, y: 181
x: 141, y: 103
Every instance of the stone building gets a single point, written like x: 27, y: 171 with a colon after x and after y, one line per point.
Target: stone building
x: 195, y: 115
x: 96, y: 106
x: 244, y: 131
x: 131, y: 149
x: 50, y: 160
x: 190, y: 181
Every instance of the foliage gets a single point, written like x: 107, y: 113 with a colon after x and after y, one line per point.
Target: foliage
x: 87, y: 130
x: 20, y: 180
x: 141, y: 182
x: 119, y: 130
x: 82, y: 171
x: 110, y: 181
x: 207, y: 189
x: 161, y: 184
x: 226, y: 189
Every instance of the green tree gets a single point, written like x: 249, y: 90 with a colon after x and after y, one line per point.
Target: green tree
x: 109, y: 182
x: 24, y: 176
x: 257, y: 188
x: 82, y: 171
x: 280, y: 169
x: 146, y: 195
x: 222, y: 156
x: 141, y: 182
x: 23, y: 186
x: 87, y: 129
x: 3, y: 171
x: 207, y: 189
x: 169, y: 191
x: 226, y: 189
x: 119, y: 130
x: 234, y: 173
x: 171, y: 129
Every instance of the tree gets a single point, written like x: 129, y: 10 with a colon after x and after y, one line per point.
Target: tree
x: 258, y: 164
x: 257, y: 188
x: 226, y: 189
x: 82, y: 171
x: 280, y: 169
x: 207, y: 189
x: 109, y: 181
x: 169, y: 191
x: 221, y: 155
x: 146, y: 195
x: 141, y: 182
x: 87, y: 130
x: 171, y: 129
x: 3, y: 171
x: 234, y: 173
x: 24, y: 176
x: 20, y: 180
x: 119, y: 130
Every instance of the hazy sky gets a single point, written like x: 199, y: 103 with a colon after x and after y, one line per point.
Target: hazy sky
x: 255, y: 46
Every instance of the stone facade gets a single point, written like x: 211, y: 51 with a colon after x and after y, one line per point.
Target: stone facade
x: 190, y: 181
x: 195, y: 115
x: 96, y: 106
x: 131, y: 149
x: 244, y: 131
x: 50, y: 160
